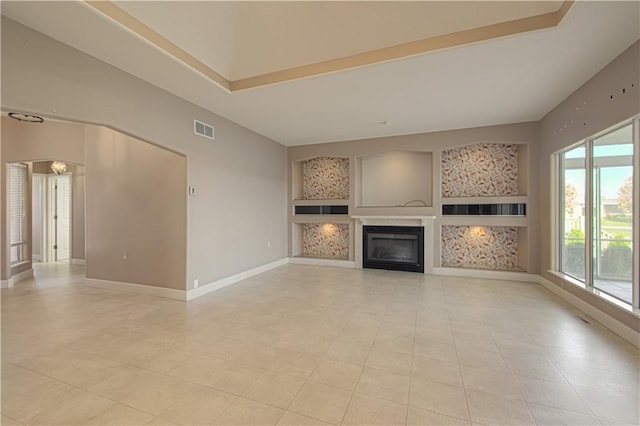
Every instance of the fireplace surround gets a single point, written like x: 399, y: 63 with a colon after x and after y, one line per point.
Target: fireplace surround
x: 425, y: 222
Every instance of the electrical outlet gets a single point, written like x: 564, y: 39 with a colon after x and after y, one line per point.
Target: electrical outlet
x: 196, y: 283
x: 269, y: 244
x: 124, y: 256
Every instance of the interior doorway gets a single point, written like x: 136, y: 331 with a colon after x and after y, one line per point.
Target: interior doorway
x: 60, y: 217
x: 51, y: 217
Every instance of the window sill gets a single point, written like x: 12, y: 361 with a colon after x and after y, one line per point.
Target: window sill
x: 627, y: 307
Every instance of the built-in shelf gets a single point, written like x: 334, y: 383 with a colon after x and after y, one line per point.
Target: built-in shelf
x: 333, y: 202
x: 317, y: 218
x: 479, y: 267
x: 506, y: 199
x: 320, y: 256
x: 373, y: 183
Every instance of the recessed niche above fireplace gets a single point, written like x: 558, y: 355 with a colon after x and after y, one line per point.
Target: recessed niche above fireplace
x: 394, y: 179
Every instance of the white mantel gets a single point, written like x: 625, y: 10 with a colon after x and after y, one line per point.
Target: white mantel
x: 426, y: 221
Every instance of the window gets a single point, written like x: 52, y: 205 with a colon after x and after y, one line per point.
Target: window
x: 17, y: 212
x: 572, y: 222
x: 597, y: 222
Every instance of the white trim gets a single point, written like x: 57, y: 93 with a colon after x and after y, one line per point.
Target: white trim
x: 420, y: 218
x: 36, y: 258
x: 148, y: 290
x: 612, y: 324
x: 21, y: 276
x: 78, y: 262
x: 322, y: 262
x: 635, y: 275
x: 41, y: 216
x: 613, y: 301
x: 486, y: 274
x: 216, y: 285
x: 427, y: 222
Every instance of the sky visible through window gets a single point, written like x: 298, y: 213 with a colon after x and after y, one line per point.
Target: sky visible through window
x: 611, y: 177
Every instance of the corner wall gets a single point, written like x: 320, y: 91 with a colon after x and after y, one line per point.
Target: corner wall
x: 135, y: 211
x: 594, y: 107
x: 237, y: 219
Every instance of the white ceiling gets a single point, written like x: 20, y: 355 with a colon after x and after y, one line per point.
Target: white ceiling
x: 512, y: 79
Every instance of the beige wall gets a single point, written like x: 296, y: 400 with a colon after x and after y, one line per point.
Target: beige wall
x: 525, y: 134
x: 25, y: 142
x: 135, y: 210
x: 240, y: 200
x: 78, y: 212
x: 589, y: 110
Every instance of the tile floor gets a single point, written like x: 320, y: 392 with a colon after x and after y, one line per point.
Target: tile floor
x: 310, y: 345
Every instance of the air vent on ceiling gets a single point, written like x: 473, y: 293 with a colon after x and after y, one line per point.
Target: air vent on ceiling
x: 203, y: 129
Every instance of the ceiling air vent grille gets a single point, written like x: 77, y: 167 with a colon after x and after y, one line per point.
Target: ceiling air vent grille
x: 203, y: 129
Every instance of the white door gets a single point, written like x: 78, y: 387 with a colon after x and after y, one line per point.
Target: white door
x: 63, y: 214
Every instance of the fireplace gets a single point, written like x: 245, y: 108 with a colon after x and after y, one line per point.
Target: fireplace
x: 399, y: 248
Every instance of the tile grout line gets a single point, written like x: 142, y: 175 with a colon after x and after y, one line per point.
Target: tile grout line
x: 307, y: 380
x: 413, y: 348
x: 364, y: 366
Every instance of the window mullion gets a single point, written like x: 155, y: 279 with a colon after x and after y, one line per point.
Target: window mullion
x: 635, y: 280
x: 588, y: 232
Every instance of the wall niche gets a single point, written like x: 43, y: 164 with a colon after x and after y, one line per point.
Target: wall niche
x: 483, y: 247
x: 325, y: 240
x: 395, y: 179
x: 322, y: 178
x: 482, y: 170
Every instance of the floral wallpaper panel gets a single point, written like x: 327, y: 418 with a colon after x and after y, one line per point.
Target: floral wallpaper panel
x: 484, y: 247
x: 325, y: 178
x: 325, y: 240
x: 482, y: 170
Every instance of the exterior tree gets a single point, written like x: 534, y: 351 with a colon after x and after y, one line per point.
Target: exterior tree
x: 625, y: 195
x: 570, y: 199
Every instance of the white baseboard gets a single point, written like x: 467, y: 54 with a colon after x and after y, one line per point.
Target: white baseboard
x: 322, y: 262
x: 216, y: 285
x: 148, y: 290
x: 20, y: 276
x: 36, y: 258
x: 487, y: 274
x: 78, y: 262
x: 612, y: 324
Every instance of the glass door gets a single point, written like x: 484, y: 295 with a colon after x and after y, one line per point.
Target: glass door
x: 612, y: 213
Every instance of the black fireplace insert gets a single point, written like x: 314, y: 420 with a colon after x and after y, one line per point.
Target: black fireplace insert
x: 399, y: 248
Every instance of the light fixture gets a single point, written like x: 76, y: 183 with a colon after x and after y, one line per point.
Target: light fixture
x: 58, y: 167
x: 26, y: 117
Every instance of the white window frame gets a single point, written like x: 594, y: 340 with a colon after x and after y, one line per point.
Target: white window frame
x: 22, y: 244
x: 557, y: 205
